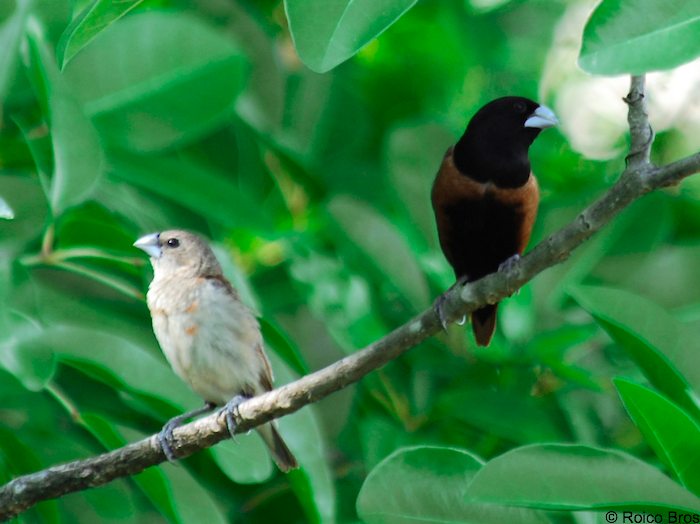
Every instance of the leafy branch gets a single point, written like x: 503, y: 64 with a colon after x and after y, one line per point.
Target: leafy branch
x: 638, y: 178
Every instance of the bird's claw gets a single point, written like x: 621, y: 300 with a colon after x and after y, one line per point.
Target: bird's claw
x: 440, y: 313
x: 230, y: 411
x: 461, y: 281
x: 165, y: 437
x: 508, y: 264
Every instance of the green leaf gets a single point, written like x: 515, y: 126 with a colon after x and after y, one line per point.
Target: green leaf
x: 284, y: 347
x: 193, y: 503
x: 507, y: 415
x: 211, y: 194
x: 636, y: 36
x: 94, y: 19
x: 649, y: 335
x: 575, y: 477
x: 328, y: 32
x: 151, y: 481
x: 383, y: 246
x: 21, y: 352
x: 671, y: 432
x: 117, y: 362
x: 157, y: 79
x: 235, y: 274
x: 313, y: 482
x: 10, y: 36
x: 411, y: 158
x: 39, y: 142
x: 18, y: 458
x: 245, y: 459
x: 77, y: 153
x: 428, y: 484
x: 30, y: 208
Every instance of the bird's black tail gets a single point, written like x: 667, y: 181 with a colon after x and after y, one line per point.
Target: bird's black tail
x: 484, y: 324
x: 280, y: 452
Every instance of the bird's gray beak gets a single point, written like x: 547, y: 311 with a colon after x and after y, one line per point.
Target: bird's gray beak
x: 542, y: 118
x: 150, y: 244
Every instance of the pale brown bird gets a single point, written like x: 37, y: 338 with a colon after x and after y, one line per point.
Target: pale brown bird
x: 211, y: 339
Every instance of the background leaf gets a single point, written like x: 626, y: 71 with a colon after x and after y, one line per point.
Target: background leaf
x: 94, y: 19
x: 11, y: 31
x: 138, y: 79
x: 383, y: 247
x: 77, y: 153
x: 427, y: 484
x: 672, y: 434
x: 576, y: 477
x: 328, y: 33
x: 653, y: 339
x: 637, y: 36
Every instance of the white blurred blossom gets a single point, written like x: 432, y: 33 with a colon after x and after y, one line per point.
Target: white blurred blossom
x: 590, y: 108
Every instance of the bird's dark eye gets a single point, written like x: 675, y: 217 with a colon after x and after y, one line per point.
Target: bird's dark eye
x: 520, y: 107
x: 173, y: 242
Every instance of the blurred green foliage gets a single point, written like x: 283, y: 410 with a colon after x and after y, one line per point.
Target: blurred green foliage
x: 122, y: 118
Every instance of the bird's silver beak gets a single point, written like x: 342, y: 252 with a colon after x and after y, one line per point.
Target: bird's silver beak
x: 542, y: 118
x: 150, y: 244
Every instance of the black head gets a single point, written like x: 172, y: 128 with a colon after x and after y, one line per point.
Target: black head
x: 494, y: 147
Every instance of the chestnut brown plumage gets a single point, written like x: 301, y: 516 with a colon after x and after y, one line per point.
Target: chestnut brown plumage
x: 485, y: 196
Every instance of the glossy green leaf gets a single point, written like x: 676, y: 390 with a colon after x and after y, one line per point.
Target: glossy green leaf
x: 192, y: 502
x: 18, y: 458
x: 384, y: 247
x: 117, y: 362
x: 151, y: 481
x: 40, y: 146
x: 411, y: 158
x: 650, y: 336
x: 428, y: 484
x: 245, y: 459
x: 157, y: 79
x: 237, y: 277
x: 285, y: 348
x: 636, y: 36
x: 77, y: 152
x: 211, y: 194
x: 313, y: 483
x: 21, y: 352
x: 506, y: 415
x: 671, y: 432
x: 627, y: 232
x: 94, y: 19
x: 338, y: 297
x: 575, y: 477
x: 30, y: 208
x: 328, y: 32
x: 10, y: 36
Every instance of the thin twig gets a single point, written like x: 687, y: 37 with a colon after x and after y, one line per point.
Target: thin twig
x: 638, y: 178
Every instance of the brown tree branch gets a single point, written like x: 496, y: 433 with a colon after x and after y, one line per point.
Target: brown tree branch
x: 637, y: 179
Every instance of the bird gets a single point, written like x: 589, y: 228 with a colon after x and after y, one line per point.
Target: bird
x: 208, y: 335
x: 485, y: 196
